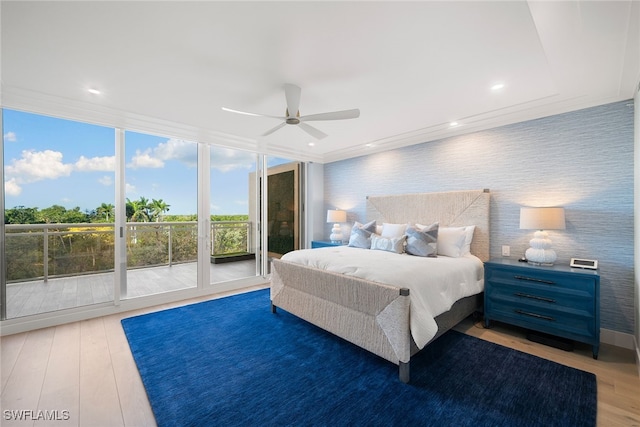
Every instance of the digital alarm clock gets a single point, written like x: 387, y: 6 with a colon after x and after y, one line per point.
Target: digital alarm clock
x: 591, y: 264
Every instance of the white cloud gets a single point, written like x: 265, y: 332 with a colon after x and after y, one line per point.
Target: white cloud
x: 106, y: 180
x: 38, y: 165
x: 10, y: 137
x: 128, y: 188
x: 178, y: 149
x: 145, y: 160
x: 173, y: 149
x: 12, y: 188
x: 222, y: 159
x: 226, y: 159
x: 34, y: 166
x: 107, y: 163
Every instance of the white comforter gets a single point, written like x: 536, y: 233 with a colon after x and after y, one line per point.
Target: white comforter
x: 435, y: 283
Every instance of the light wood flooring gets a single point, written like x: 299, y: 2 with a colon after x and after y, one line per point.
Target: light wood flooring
x: 86, y: 368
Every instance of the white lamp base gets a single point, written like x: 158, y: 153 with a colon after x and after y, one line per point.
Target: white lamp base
x: 336, y: 234
x: 540, y: 252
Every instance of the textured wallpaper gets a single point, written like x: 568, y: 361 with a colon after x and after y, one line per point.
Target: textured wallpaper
x: 581, y: 160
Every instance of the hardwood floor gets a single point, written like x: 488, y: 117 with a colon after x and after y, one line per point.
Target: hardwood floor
x: 83, y: 373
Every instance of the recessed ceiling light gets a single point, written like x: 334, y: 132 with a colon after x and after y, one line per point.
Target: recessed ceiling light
x: 453, y: 124
x: 368, y: 145
x: 497, y: 86
x: 94, y: 91
x: 311, y: 144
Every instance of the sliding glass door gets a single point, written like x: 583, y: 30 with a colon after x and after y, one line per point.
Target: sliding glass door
x: 161, y: 182
x: 234, y: 228
x: 59, y: 200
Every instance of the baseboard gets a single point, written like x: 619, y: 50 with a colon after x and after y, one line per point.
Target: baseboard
x: 619, y: 339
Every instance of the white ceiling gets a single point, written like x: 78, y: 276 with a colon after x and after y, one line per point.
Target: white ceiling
x: 410, y: 67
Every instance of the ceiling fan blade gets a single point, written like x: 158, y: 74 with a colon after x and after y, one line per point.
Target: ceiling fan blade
x: 252, y: 114
x: 292, y: 93
x: 335, y: 115
x: 317, y: 134
x: 272, y: 130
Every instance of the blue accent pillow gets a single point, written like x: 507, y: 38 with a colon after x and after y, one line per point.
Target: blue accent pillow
x: 361, y: 235
x: 389, y: 244
x: 422, y: 241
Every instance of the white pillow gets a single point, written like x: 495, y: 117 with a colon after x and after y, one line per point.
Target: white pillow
x: 393, y: 230
x: 469, y: 230
x: 455, y: 241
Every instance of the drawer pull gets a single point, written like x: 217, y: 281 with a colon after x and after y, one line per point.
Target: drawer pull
x: 537, y: 316
x: 531, y: 279
x: 535, y: 297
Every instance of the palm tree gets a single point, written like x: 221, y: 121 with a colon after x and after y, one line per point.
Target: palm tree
x: 158, y: 208
x: 106, y: 210
x: 138, y: 209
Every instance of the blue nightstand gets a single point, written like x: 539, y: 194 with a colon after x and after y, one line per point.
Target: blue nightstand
x: 324, y: 243
x: 557, y: 300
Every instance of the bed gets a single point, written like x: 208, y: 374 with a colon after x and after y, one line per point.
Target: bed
x: 384, y: 313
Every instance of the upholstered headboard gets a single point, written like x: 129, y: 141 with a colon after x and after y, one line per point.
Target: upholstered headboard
x: 450, y: 209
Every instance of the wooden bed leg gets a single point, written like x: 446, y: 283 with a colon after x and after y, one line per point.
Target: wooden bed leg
x: 404, y: 371
x: 273, y: 308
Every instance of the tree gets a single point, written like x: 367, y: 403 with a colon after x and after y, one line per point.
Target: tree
x: 139, y: 210
x: 158, y: 208
x: 21, y: 215
x: 105, y: 211
x: 57, y: 214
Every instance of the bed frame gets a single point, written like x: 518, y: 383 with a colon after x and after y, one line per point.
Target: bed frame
x: 372, y: 315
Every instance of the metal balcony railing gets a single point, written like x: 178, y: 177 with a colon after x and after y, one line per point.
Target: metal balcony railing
x: 41, y: 251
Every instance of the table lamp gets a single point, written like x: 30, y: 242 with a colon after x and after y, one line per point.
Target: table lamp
x: 541, y: 219
x: 336, y: 217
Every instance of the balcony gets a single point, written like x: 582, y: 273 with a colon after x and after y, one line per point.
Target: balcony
x: 56, y: 266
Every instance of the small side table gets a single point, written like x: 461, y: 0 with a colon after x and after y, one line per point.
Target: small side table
x: 556, y: 300
x: 324, y: 243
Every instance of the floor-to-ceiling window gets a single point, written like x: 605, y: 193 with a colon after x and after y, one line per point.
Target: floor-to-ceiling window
x: 59, y: 200
x: 161, y: 213
x: 234, y: 229
x: 100, y: 219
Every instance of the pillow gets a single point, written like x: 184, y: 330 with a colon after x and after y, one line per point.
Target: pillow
x: 469, y: 229
x: 422, y: 241
x: 455, y: 241
x: 394, y: 244
x: 393, y: 230
x: 361, y: 235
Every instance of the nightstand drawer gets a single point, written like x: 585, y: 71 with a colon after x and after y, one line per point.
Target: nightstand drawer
x: 567, y: 322
x: 543, y: 296
x: 540, y: 280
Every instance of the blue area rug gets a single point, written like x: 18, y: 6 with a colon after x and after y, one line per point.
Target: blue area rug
x: 231, y: 362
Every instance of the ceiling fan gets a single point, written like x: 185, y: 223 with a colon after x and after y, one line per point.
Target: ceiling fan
x: 293, y: 117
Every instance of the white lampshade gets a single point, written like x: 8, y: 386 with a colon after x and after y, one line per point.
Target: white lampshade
x: 336, y: 217
x: 541, y: 219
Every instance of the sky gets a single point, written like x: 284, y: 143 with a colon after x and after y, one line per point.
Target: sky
x: 50, y: 161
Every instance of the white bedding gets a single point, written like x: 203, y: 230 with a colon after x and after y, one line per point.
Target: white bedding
x: 435, y: 283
